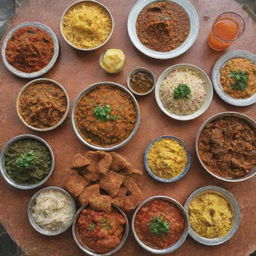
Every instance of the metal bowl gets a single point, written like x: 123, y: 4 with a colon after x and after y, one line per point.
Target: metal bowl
x: 89, y: 49
x: 224, y: 114
x: 173, y: 247
x: 235, y: 209
x: 182, y: 174
x: 143, y: 70
x: 91, y: 252
x: 43, y: 70
x: 221, y: 62
x: 35, y: 82
x: 194, y: 28
x: 32, y: 203
x: 2, y: 162
x: 112, y: 147
x: 209, y: 91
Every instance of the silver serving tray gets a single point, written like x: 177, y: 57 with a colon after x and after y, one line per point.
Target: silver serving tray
x: 216, y: 77
x: 194, y: 28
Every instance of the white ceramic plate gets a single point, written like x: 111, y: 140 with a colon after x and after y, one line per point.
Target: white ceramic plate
x: 209, y: 91
x: 194, y: 28
x: 216, y: 77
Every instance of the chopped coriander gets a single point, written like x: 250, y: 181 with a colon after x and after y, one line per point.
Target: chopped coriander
x: 105, y: 224
x: 103, y: 113
x: 91, y: 227
x: 25, y: 160
x: 182, y: 91
x: 159, y: 226
x: 241, y: 80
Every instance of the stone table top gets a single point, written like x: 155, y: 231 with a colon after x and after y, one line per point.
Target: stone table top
x: 76, y: 70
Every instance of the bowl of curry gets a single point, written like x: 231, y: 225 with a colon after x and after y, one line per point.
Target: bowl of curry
x: 42, y: 104
x: 214, y: 215
x: 105, y: 116
x: 30, y: 50
x: 160, y: 225
x: 226, y: 146
x: 234, y: 78
x: 163, y: 29
x: 98, y: 233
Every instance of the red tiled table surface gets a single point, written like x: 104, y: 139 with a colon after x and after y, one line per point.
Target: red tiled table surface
x: 76, y: 70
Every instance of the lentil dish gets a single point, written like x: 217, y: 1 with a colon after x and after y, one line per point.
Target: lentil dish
x: 227, y: 147
x: 159, y: 224
x: 100, y: 231
x: 141, y: 82
x: 163, y: 26
x: 29, y: 49
x: 42, y: 105
x: 105, y: 115
x: 228, y: 80
x: 86, y: 25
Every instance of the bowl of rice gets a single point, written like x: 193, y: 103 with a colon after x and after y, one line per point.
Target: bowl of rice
x: 183, y: 92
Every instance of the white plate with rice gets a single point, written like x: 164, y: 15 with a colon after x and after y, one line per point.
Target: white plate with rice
x: 199, y: 92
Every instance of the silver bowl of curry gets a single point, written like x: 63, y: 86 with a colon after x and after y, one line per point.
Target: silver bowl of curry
x: 105, y: 116
x: 214, y: 215
x: 234, y: 78
x: 91, y: 229
x: 163, y: 29
x: 27, y: 161
x: 30, y: 50
x: 42, y: 104
x: 160, y: 225
x: 225, y: 146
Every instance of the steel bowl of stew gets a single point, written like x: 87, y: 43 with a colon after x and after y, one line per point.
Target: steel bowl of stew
x: 226, y: 148
x: 105, y: 116
x: 30, y: 50
x: 98, y: 233
x: 160, y: 225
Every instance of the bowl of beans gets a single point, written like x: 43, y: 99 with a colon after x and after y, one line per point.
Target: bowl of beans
x: 160, y: 225
x: 141, y: 81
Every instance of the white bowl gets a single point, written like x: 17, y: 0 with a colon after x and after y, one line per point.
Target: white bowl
x: 209, y: 91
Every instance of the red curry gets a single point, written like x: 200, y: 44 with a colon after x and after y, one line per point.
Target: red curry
x: 29, y: 49
x: 101, y: 231
x: 169, y: 214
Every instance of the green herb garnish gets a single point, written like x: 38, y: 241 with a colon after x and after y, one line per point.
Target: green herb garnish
x: 103, y: 113
x: 105, y: 224
x: 241, y: 80
x: 25, y: 160
x: 182, y: 91
x: 91, y: 227
x: 159, y: 226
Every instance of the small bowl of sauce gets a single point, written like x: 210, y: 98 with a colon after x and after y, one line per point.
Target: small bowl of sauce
x: 141, y: 81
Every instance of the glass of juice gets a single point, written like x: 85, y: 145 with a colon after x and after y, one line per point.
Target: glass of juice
x: 228, y: 27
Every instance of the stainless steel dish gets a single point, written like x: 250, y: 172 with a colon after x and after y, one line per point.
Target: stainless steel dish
x: 38, y: 81
x: 89, y: 251
x: 83, y: 49
x: 43, y: 70
x: 32, y: 203
x: 208, y: 88
x: 114, y: 147
x: 143, y: 70
x: 234, y: 207
x: 194, y: 28
x: 182, y: 174
x: 2, y: 162
x: 173, y: 247
x: 224, y: 114
x: 216, y: 77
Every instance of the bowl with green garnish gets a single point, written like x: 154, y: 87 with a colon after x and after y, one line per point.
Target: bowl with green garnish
x: 26, y: 162
x: 183, y: 92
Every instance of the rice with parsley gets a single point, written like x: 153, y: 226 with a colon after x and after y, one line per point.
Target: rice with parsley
x: 184, y: 106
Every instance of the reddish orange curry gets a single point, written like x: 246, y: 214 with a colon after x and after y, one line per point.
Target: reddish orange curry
x: 171, y: 218
x: 100, y: 231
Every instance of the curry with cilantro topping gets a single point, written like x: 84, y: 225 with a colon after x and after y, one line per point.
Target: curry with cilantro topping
x: 100, y: 231
x: 159, y: 224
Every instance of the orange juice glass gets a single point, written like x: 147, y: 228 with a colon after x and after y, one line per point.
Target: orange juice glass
x: 227, y: 28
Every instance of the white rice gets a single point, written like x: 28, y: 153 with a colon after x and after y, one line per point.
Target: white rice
x: 196, y: 98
